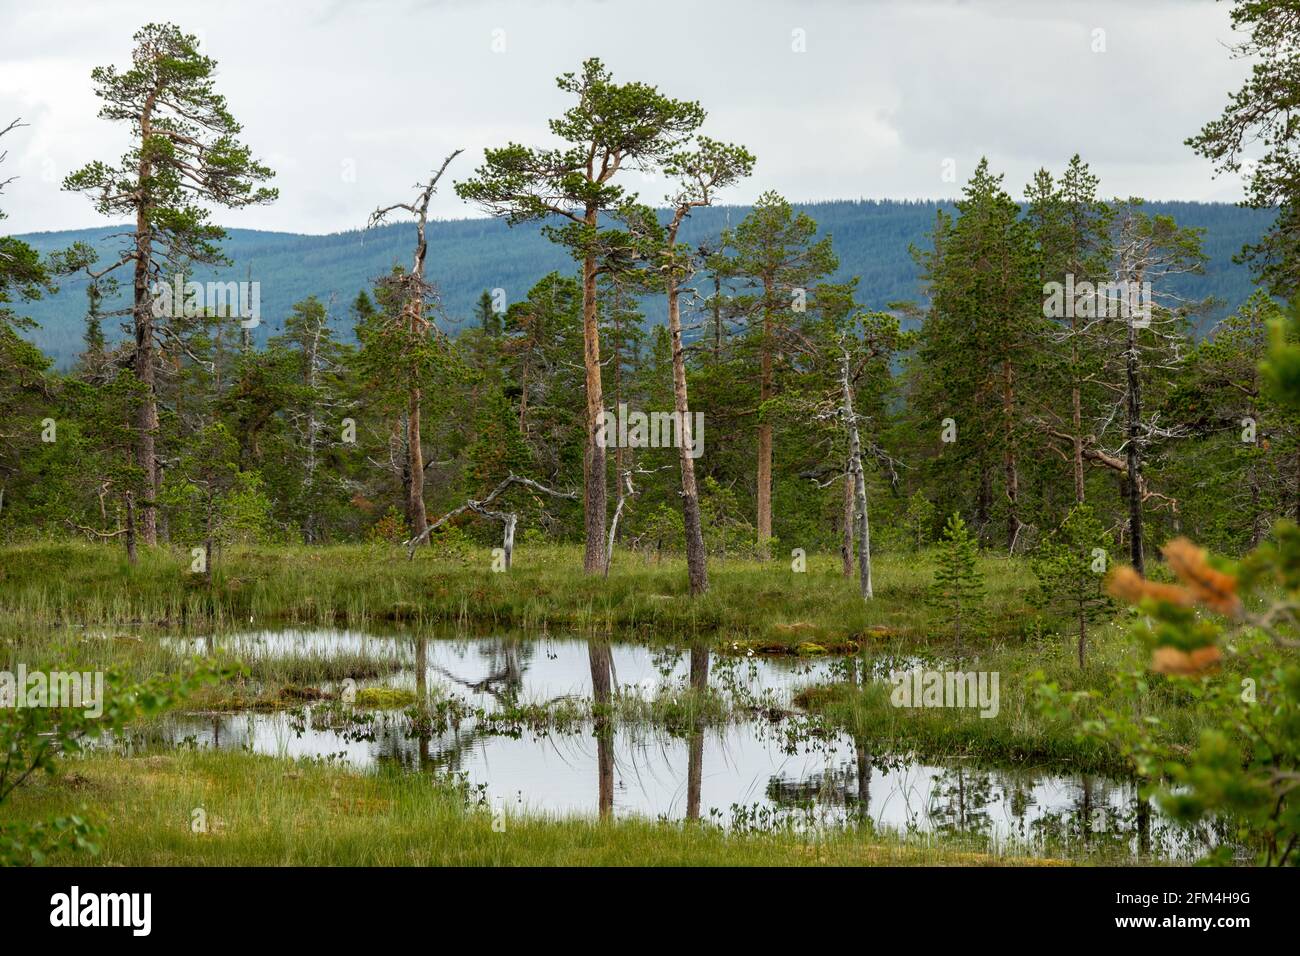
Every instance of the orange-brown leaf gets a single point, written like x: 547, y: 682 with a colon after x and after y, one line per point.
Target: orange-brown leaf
x: 1173, y: 660
x: 1212, y: 588
x: 1127, y: 585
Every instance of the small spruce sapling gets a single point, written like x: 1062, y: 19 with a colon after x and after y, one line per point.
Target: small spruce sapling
x: 958, y: 589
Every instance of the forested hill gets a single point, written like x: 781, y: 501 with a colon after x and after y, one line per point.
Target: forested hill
x: 469, y: 255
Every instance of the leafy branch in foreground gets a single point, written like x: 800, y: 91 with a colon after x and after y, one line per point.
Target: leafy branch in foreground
x: 1225, y: 637
x: 34, y: 739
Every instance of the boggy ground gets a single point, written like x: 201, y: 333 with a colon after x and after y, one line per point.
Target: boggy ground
x: 82, y: 606
x: 768, y: 604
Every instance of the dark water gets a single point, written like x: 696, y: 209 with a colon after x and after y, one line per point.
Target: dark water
x: 763, y: 766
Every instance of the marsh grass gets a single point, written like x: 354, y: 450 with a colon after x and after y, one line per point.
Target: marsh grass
x: 767, y: 604
x: 263, y: 811
x: 1019, y: 734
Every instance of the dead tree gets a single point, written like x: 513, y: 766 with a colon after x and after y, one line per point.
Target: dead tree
x: 415, y: 293
x: 625, y: 493
x: 859, y: 481
x: 480, y: 507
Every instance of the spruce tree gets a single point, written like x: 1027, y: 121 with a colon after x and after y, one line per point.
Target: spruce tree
x: 1070, y: 566
x: 958, y: 590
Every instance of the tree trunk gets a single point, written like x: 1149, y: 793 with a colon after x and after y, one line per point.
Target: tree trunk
x: 696, y: 561
x: 1009, y: 458
x: 594, y: 499
x: 146, y: 422
x: 846, y: 546
x: 859, y: 482
x: 1083, y: 638
x: 1257, y: 522
x: 1134, y: 406
x: 309, y: 523
x: 508, y: 539
x: 422, y: 700
x: 207, y: 544
x: 983, y: 502
x: 1076, y: 419
x: 764, y: 478
x: 523, y: 399
x: 130, y: 527
x: 695, y: 756
x: 599, y: 656
x: 416, y: 515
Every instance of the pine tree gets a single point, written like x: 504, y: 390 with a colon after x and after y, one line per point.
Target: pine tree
x: 1261, y: 117
x: 612, y: 127
x: 775, y: 255
x: 183, y: 154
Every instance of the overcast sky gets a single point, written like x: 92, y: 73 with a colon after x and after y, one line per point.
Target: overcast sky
x: 351, y: 101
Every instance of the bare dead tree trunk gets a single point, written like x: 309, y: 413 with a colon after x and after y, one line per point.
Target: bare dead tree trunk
x: 697, y: 569
x: 415, y: 464
x: 625, y: 491
x: 846, y: 546
x: 480, y: 507
x: 312, y: 432
x: 1133, y: 452
x: 859, y: 481
x: 508, y: 539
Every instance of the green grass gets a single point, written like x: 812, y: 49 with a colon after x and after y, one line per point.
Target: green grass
x: 263, y: 811
x: 766, y: 604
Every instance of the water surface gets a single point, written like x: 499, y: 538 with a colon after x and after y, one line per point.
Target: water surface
x: 764, y: 767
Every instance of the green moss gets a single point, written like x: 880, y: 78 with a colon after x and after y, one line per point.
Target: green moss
x: 385, y: 698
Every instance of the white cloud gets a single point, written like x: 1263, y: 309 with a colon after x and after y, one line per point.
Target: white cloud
x: 883, y: 94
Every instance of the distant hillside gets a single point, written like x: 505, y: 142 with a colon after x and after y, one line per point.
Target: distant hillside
x: 470, y: 255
